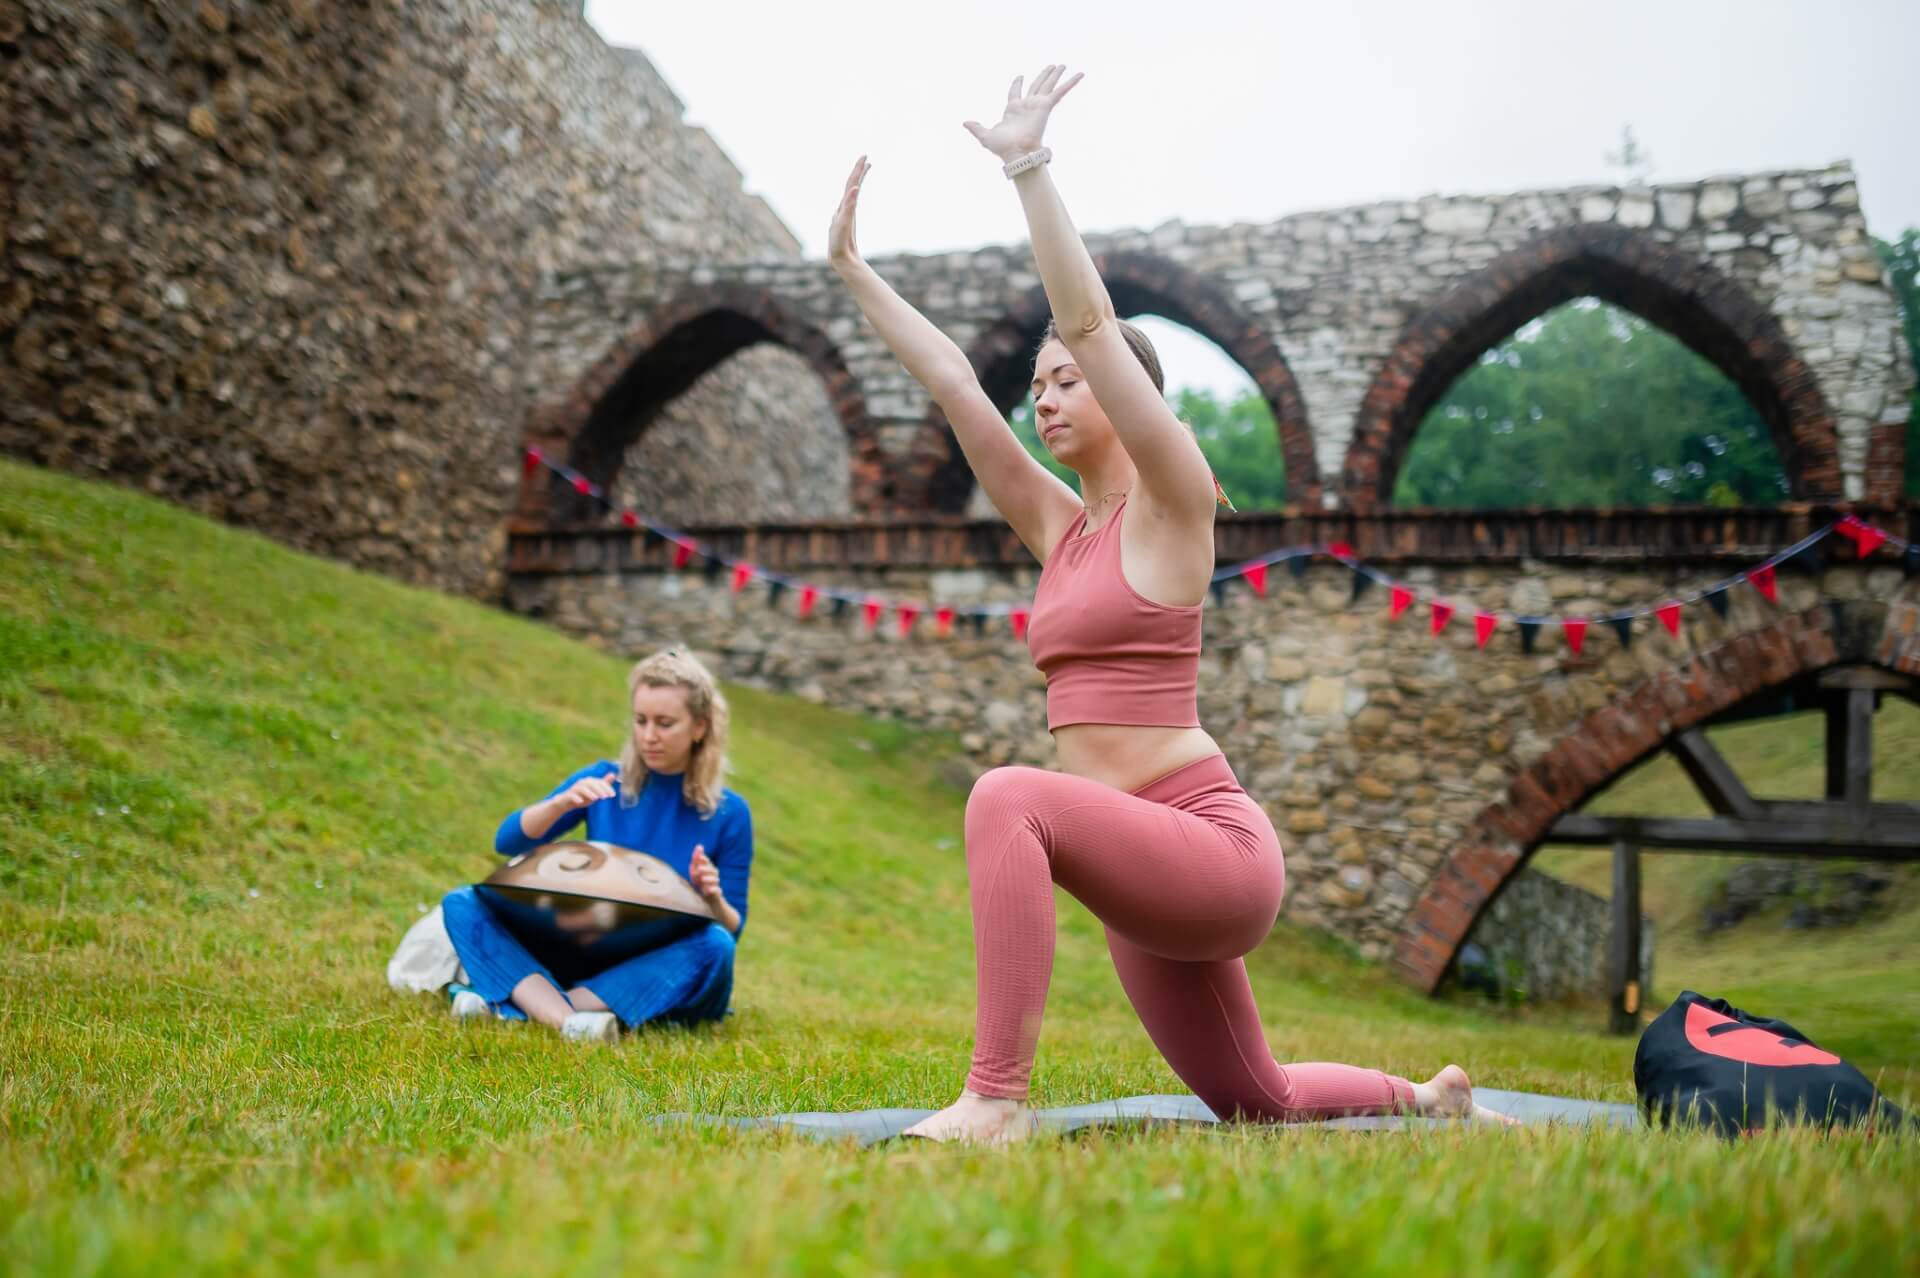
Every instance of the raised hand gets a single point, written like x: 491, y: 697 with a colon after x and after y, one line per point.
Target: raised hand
x: 704, y: 876
x: 583, y: 792
x: 841, y: 250
x: 1025, y: 119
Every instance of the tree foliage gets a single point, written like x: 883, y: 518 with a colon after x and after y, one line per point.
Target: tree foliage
x: 1902, y: 260
x: 1589, y: 405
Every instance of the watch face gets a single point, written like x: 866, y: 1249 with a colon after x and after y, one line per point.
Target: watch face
x: 595, y: 897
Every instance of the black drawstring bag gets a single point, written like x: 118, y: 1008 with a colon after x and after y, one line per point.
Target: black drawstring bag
x: 1705, y: 1061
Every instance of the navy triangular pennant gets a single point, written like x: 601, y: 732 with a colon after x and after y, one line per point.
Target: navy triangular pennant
x: 978, y: 620
x: 1361, y: 581
x: 1529, y: 631
x: 1717, y: 600
x: 840, y: 606
x: 1297, y: 566
x: 1622, y: 626
x: 713, y: 568
x: 1910, y: 563
x: 1811, y: 561
x: 1219, y: 588
x: 775, y: 588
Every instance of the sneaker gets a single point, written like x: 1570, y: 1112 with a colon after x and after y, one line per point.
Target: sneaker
x: 468, y: 1005
x: 591, y: 1027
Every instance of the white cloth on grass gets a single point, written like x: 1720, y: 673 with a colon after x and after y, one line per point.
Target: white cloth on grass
x: 426, y: 961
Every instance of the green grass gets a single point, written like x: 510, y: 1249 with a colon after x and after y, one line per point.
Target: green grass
x: 230, y: 776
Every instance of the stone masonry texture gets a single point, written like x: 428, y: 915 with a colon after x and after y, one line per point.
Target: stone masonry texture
x: 281, y: 262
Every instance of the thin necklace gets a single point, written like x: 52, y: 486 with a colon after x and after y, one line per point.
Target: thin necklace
x: 1090, y: 509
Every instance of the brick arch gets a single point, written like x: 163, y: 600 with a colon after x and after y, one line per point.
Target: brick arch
x: 1140, y: 283
x: 1683, y: 294
x: 612, y: 405
x: 1617, y: 737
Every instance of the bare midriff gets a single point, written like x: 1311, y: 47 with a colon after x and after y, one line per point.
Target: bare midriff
x: 1128, y: 756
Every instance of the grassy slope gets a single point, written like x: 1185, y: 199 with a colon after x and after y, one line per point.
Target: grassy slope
x: 230, y: 776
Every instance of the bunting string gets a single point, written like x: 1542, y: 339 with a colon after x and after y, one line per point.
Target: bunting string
x: 1401, y: 596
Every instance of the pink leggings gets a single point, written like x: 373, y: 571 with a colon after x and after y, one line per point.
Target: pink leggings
x: 1187, y: 875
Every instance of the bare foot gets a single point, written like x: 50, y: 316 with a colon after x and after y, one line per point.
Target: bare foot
x: 985, y: 1120
x: 1449, y: 1094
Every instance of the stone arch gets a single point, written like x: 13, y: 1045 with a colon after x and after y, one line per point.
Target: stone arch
x: 1616, y: 737
x: 612, y: 405
x: 1682, y: 293
x: 1002, y: 359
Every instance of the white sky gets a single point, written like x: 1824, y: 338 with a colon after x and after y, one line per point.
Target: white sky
x: 1209, y: 112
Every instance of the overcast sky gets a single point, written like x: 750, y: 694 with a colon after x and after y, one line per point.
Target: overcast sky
x: 1212, y: 112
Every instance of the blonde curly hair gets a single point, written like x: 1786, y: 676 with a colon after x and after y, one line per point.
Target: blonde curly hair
x: 702, y: 783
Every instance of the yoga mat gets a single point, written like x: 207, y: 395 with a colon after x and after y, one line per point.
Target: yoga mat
x: 867, y: 1126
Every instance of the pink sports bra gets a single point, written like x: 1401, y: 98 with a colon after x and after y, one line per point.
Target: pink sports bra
x: 1109, y: 655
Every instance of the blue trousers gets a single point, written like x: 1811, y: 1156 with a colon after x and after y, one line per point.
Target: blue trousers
x: 683, y: 982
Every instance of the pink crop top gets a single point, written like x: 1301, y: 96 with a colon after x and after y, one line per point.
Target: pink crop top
x: 1109, y: 655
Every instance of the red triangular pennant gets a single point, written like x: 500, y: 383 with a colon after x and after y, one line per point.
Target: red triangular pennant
x: 1256, y: 575
x: 1483, y: 627
x: 1867, y: 538
x: 682, y: 552
x: 870, y: 612
x: 908, y: 615
x: 1018, y: 620
x: 1576, y: 628
x: 1340, y: 550
x: 530, y: 461
x: 1437, y: 621
x: 943, y: 621
x: 809, y: 596
x: 630, y: 519
x: 1764, y: 581
x: 582, y: 485
x: 742, y: 574
x: 1669, y: 615
x: 1399, y: 600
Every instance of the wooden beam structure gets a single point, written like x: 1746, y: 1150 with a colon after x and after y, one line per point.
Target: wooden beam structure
x: 1824, y: 836
x: 1623, y: 942
x: 1846, y: 824
x: 1713, y: 776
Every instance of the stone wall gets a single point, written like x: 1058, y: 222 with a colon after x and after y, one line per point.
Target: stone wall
x: 1378, y: 750
x: 1544, y: 940
x: 1351, y: 322
x: 278, y: 262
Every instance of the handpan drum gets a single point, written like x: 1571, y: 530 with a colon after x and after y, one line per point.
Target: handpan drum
x: 594, y: 898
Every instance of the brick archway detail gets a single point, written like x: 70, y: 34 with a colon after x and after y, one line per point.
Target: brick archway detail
x: 1140, y: 283
x: 1615, y: 738
x: 612, y: 405
x: 1683, y: 294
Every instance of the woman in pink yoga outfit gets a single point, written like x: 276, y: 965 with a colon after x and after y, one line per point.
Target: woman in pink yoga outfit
x: 1145, y: 825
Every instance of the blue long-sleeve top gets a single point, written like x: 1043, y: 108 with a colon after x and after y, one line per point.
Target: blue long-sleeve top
x: 659, y: 822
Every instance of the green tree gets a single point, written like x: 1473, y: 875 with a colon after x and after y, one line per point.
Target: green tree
x: 1589, y: 405
x: 1902, y: 259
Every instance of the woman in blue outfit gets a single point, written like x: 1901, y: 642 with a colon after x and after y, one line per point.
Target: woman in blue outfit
x: 664, y: 797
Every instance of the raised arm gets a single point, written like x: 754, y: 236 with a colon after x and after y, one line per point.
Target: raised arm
x: 1025, y: 493
x: 1174, y: 476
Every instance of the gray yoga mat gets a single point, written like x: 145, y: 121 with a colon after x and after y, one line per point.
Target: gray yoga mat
x: 868, y: 1126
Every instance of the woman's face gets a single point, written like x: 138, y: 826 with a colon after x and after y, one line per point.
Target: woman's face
x: 663, y: 731
x: 1070, y: 422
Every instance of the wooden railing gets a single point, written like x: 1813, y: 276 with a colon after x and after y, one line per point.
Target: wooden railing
x: 1624, y: 537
